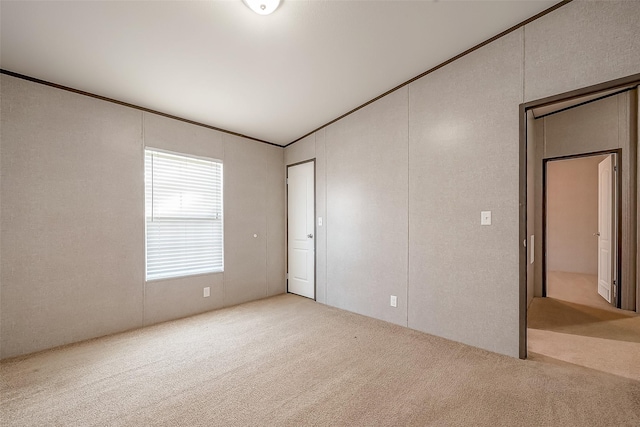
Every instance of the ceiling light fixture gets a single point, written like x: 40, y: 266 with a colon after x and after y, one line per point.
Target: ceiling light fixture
x: 262, y: 7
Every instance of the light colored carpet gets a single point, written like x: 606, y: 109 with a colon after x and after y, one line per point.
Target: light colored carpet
x: 576, y: 288
x: 577, y: 326
x: 290, y: 361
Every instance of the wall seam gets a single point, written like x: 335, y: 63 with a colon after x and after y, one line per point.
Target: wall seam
x: 408, y: 201
x: 524, y: 62
x: 326, y: 234
x: 266, y: 228
x: 224, y: 237
x: 144, y: 229
x: 326, y: 219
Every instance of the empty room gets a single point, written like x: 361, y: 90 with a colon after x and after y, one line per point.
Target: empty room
x: 287, y: 212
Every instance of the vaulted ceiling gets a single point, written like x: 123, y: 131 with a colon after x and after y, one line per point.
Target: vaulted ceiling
x: 273, y: 78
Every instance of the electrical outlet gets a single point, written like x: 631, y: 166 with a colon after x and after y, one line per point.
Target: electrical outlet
x: 394, y: 301
x: 206, y: 292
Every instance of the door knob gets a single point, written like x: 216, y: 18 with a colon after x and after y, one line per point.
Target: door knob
x: 596, y: 234
x: 310, y: 236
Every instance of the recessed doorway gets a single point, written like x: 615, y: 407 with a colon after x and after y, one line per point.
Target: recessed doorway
x: 592, y: 120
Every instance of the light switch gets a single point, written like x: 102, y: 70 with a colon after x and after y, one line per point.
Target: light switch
x: 206, y: 292
x: 485, y: 218
x: 319, y: 221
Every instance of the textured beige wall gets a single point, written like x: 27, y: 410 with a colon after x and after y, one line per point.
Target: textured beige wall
x: 301, y: 151
x: 585, y: 129
x: 72, y: 210
x: 367, y: 196
x: 572, y: 215
x: 583, y: 43
x: 276, y: 220
x: 321, y: 211
x: 463, y: 277
x: 72, y: 226
x: 462, y: 280
x: 245, y: 256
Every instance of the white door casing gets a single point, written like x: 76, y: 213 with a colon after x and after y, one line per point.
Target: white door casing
x: 606, y: 227
x: 301, y: 230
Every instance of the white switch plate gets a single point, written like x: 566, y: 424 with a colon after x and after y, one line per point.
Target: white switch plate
x: 319, y: 221
x: 485, y: 218
x: 394, y: 301
x: 206, y: 292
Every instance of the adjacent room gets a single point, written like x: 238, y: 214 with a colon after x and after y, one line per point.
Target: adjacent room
x: 288, y: 212
x: 583, y: 307
x: 572, y: 230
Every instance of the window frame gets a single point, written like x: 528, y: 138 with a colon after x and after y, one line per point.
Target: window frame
x: 215, y: 269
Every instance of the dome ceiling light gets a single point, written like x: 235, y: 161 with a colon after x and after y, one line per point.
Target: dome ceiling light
x: 262, y: 7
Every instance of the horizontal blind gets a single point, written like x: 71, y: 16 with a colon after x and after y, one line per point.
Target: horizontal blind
x: 183, y: 209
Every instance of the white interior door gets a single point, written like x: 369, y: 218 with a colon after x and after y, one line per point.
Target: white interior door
x: 301, y: 212
x: 606, y: 225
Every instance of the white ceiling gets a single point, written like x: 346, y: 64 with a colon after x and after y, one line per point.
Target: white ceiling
x: 273, y: 77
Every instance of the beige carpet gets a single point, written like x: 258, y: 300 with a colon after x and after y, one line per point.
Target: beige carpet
x: 574, y: 324
x: 289, y: 361
x: 576, y: 288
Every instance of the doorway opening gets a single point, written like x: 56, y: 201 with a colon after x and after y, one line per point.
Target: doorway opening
x: 301, y: 271
x: 581, y: 217
x: 539, y: 123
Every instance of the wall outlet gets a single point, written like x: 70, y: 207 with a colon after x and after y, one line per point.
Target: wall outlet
x: 206, y: 292
x: 394, y: 301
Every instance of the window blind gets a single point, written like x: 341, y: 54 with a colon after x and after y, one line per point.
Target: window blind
x: 183, y: 210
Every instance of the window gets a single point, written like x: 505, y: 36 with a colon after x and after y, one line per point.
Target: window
x: 183, y: 210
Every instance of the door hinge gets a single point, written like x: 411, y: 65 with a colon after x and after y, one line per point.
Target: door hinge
x: 286, y: 181
x: 615, y: 168
x: 287, y: 276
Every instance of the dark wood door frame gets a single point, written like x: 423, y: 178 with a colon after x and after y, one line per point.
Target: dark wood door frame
x: 522, y: 254
x: 618, y: 214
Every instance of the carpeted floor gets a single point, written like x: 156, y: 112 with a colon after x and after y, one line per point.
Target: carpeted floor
x: 574, y: 324
x: 577, y: 288
x: 290, y: 361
